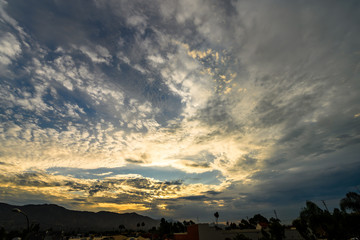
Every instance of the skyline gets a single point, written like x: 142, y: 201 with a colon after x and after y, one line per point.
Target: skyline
x: 180, y: 109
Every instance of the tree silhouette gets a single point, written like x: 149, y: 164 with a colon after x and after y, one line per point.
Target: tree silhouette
x: 351, y: 202
x: 244, y: 224
x: 314, y: 223
x: 303, y: 228
x: 216, y: 215
x: 142, y: 225
x: 310, y: 222
x: 258, y: 218
x: 276, y: 229
x: 121, y: 227
x: 187, y: 223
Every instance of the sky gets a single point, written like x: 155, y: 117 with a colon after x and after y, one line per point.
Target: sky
x: 178, y: 109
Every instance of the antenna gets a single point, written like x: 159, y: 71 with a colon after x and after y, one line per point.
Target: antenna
x: 275, y: 214
x: 325, y: 205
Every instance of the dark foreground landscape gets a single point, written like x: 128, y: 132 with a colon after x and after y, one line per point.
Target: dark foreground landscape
x: 49, y: 221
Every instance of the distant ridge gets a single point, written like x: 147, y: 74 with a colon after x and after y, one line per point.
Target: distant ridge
x: 59, y: 218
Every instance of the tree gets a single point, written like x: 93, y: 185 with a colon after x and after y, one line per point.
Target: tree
x: 178, y: 227
x: 244, y: 224
x: 233, y: 225
x: 165, y: 227
x: 314, y: 223
x: 216, y: 215
x: 258, y: 218
x: 311, y: 221
x: 142, y: 226
x: 303, y: 228
x: 351, y: 202
x: 187, y: 223
x: 276, y: 229
x: 121, y: 227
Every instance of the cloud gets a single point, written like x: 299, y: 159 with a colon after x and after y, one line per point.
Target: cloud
x: 112, y: 192
x: 9, y: 48
x: 100, y: 55
x: 208, y: 102
x: 194, y: 198
x: 133, y: 161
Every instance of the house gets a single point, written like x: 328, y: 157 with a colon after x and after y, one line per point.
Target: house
x: 262, y: 225
x: 205, y: 232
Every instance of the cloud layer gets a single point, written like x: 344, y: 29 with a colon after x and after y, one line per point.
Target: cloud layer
x: 179, y: 108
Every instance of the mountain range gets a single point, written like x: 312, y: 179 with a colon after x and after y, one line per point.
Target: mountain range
x: 51, y: 216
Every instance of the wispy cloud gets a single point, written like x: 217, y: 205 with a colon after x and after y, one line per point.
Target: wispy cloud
x: 9, y: 48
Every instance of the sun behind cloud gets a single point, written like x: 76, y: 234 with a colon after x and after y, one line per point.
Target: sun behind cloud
x: 175, y: 109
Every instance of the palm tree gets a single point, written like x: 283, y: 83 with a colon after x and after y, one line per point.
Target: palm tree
x: 216, y: 215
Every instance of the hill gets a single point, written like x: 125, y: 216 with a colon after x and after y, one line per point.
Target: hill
x: 60, y: 218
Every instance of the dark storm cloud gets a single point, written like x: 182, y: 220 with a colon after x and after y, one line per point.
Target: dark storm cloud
x: 55, y: 23
x: 97, y: 188
x: 273, y: 111
x: 314, y: 140
x: 198, y: 165
x: 75, y: 186
x: 90, y: 188
x: 134, y: 161
x: 195, y: 198
x: 216, y: 113
x: 212, y: 192
x: 302, y: 184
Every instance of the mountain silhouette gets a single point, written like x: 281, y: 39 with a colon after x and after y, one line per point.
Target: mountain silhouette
x: 59, y: 218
